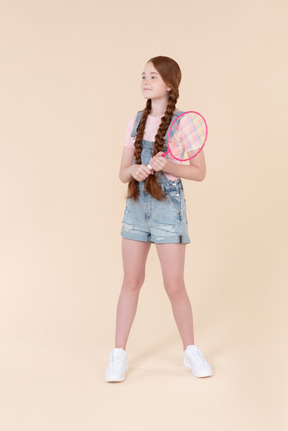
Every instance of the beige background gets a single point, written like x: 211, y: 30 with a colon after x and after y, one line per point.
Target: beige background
x: 70, y: 81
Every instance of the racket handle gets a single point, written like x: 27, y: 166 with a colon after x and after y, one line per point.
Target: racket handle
x: 162, y: 155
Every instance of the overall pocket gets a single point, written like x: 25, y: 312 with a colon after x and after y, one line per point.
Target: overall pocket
x: 173, y: 195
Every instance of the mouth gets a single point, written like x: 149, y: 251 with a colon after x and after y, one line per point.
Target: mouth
x: 146, y: 89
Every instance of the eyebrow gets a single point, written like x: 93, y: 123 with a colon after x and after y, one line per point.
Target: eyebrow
x: 143, y: 73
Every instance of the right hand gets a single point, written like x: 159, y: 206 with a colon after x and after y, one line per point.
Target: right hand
x: 141, y: 172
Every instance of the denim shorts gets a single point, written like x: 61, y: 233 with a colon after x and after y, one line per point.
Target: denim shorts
x: 160, y: 222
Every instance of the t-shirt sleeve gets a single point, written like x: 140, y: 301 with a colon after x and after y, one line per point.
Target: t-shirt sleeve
x: 129, y: 141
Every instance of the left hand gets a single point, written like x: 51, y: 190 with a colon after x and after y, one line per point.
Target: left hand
x: 158, y: 162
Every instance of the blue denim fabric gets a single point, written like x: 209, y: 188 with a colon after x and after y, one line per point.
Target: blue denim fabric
x: 149, y: 219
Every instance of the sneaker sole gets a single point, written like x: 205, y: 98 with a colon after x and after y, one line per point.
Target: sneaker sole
x: 116, y: 378
x: 187, y: 365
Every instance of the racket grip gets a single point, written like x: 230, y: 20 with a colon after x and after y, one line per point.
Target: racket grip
x: 149, y: 166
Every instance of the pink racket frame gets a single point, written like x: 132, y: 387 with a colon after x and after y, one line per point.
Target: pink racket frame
x: 170, y: 128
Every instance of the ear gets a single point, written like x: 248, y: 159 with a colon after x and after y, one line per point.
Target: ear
x: 169, y: 88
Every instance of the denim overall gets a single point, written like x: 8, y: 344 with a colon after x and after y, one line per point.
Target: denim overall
x: 149, y: 219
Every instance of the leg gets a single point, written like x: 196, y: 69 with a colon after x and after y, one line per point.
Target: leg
x: 134, y: 256
x: 172, y: 257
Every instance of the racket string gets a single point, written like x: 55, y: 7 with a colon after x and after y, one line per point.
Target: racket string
x: 187, y: 136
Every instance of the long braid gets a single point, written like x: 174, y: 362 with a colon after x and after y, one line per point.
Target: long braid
x: 151, y: 184
x: 133, y: 191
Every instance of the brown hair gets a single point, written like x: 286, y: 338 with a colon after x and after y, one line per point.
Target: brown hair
x: 171, y: 75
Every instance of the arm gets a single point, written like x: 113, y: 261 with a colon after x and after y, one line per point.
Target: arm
x: 195, y: 171
x: 125, y: 172
x: 128, y: 170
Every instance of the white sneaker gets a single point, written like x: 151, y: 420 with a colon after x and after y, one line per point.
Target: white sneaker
x: 118, y: 365
x: 194, y: 360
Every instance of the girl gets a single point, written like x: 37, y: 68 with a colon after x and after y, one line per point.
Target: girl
x: 155, y: 213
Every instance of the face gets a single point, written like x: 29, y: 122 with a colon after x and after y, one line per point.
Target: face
x: 152, y: 85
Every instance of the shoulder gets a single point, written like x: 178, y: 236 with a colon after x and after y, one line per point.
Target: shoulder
x: 131, y: 123
x: 135, y: 117
x: 132, y: 119
x: 179, y: 111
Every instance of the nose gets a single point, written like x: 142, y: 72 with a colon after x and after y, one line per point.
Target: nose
x: 145, y: 81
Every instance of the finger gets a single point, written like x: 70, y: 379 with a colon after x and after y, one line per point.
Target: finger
x: 146, y: 170
x: 153, y: 164
x: 141, y: 176
x: 157, y: 161
x: 138, y: 175
x: 156, y: 165
x: 143, y: 173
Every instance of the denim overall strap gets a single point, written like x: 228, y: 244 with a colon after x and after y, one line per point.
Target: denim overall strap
x: 138, y: 119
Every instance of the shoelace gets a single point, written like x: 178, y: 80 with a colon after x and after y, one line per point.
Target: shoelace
x: 115, y: 361
x: 199, y: 358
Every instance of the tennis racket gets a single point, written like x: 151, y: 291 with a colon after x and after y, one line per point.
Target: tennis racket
x: 186, y: 136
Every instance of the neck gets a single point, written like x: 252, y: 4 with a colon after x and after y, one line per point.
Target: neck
x: 158, y: 107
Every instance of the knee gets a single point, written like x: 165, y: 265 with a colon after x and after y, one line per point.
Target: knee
x: 175, y: 289
x: 133, y: 282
